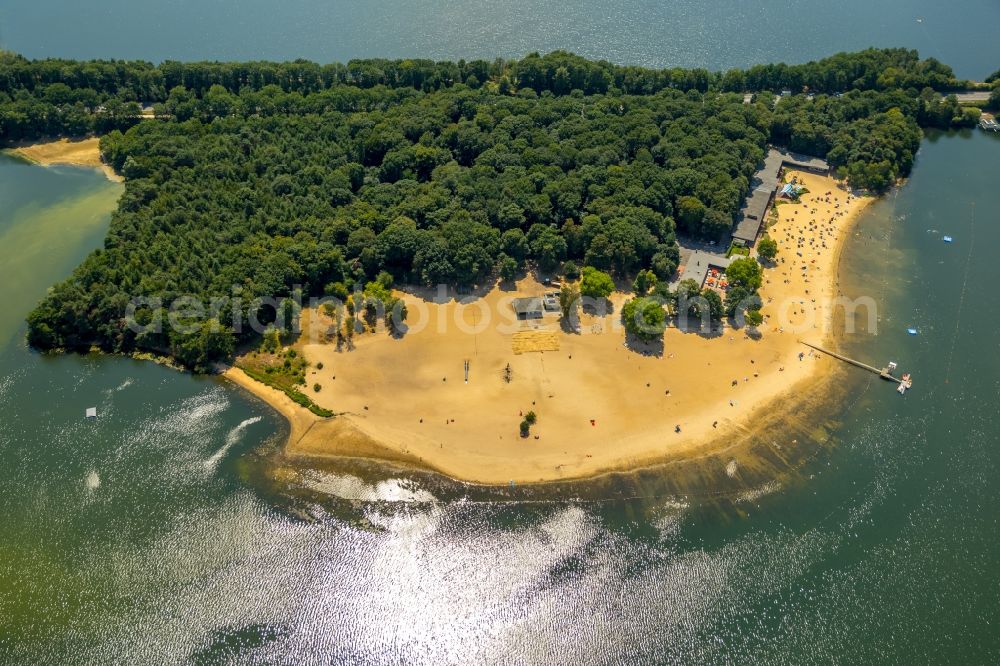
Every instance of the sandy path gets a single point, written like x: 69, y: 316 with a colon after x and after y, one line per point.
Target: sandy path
x: 600, y: 406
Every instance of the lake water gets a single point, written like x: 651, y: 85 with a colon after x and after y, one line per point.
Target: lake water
x: 690, y: 33
x: 163, y: 532
x: 160, y: 532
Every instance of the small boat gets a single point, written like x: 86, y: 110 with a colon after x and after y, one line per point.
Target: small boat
x: 947, y: 239
x: 911, y: 331
x: 905, y: 384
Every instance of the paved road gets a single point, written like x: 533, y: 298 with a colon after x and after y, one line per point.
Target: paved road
x: 977, y: 96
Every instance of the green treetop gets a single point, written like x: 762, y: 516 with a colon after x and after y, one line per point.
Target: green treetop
x: 746, y: 273
x: 595, y: 283
x: 767, y: 248
x: 644, y: 318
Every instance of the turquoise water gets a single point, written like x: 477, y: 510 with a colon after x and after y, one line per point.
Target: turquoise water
x: 686, y: 33
x: 162, y: 532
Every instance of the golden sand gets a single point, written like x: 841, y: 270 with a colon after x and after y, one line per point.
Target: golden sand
x: 79, y: 152
x: 600, y: 405
x: 534, y: 341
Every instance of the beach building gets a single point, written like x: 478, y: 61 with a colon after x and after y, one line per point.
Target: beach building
x: 750, y: 219
x: 802, y: 162
x: 528, y: 308
x: 550, y: 301
x: 790, y: 191
x: 751, y: 215
x: 700, y: 264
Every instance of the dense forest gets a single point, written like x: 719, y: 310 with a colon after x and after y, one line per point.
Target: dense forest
x: 257, y: 179
x: 57, y: 97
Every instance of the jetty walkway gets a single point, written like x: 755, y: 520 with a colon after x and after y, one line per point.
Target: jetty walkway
x: 883, y: 372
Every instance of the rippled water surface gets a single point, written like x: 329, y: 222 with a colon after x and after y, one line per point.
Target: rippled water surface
x: 167, y: 531
x: 669, y: 33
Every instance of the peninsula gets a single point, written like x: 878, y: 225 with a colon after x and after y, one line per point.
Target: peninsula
x: 601, y: 404
x: 452, y: 214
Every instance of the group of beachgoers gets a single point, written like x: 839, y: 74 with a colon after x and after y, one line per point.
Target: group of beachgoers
x: 814, y: 235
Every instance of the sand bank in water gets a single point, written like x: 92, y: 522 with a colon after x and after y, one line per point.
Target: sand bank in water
x: 81, y: 152
x: 600, y: 405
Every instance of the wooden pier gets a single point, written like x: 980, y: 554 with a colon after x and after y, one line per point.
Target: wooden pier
x: 883, y: 373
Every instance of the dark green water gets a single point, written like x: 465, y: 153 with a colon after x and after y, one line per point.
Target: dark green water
x: 717, y: 34
x: 154, y: 535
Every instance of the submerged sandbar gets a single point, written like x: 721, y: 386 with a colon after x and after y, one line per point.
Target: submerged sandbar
x: 70, y: 152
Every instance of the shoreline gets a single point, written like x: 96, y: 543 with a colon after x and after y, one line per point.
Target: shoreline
x: 65, y: 152
x: 709, y: 427
x: 306, y: 429
x: 355, y: 435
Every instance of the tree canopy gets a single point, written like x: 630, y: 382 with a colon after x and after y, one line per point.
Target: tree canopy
x: 745, y: 272
x: 258, y: 179
x: 767, y: 247
x: 745, y: 277
x: 644, y: 317
x: 595, y: 283
x: 994, y: 101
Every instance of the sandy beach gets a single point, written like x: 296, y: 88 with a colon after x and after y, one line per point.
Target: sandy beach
x: 79, y: 152
x: 601, y: 406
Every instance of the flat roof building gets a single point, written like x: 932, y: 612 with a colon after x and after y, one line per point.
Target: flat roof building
x: 528, y: 308
x: 698, y: 263
x: 750, y: 218
x: 751, y: 215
